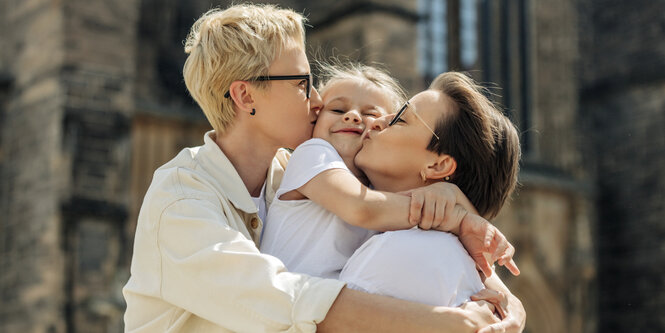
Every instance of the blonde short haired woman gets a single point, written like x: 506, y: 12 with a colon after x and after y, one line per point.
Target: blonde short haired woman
x: 196, y: 266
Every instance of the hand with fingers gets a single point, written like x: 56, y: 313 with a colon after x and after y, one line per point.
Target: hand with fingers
x: 480, y: 237
x: 510, y: 323
x: 442, y: 206
x: 433, y: 207
x: 480, y: 313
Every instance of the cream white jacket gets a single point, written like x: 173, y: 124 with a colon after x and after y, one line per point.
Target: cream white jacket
x: 196, y: 266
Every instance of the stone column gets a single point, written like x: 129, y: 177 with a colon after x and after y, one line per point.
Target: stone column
x: 32, y: 171
x: 98, y: 77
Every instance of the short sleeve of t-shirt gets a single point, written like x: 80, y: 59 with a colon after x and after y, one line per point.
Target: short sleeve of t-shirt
x: 308, y: 160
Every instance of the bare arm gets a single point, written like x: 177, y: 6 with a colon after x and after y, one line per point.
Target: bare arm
x: 355, y: 311
x: 344, y: 195
x: 340, y: 192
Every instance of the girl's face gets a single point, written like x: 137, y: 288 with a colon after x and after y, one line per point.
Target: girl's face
x: 350, y: 107
x: 393, y: 157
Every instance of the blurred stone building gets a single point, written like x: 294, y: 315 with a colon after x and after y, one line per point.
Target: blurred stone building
x: 92, y: 101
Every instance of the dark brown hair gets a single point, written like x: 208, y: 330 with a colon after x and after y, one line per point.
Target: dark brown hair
x: 481, y: 139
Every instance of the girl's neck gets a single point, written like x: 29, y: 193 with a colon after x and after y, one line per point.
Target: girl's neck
x: 349, y: 161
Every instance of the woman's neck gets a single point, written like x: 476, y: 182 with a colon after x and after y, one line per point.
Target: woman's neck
x: 393, y: 183
x: 249, y: 155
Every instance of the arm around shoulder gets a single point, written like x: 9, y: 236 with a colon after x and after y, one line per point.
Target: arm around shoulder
x: 356, y: 311
x: 340, y: 192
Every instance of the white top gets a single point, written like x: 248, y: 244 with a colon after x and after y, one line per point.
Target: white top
x: 260, y: 203
x: 196, y: 266
x: 305, y: 236
x: 430, y: 267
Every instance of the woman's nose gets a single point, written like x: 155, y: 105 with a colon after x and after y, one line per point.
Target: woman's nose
x: 381, y: 122
x: 353, y: 117
x: 315, y: 102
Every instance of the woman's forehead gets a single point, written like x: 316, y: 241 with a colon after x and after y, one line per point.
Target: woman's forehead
x: 292, y: 60
x: 431, y: 104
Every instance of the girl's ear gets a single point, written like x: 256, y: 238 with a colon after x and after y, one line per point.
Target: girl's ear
x: 442, y: 166
x: 241, y: 92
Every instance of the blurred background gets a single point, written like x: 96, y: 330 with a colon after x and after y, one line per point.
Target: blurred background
x: 92, y: 101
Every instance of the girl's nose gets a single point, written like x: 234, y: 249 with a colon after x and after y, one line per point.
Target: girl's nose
x: 353, y: 117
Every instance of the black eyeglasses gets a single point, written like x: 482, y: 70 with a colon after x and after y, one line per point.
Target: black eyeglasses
x: 401, y: 112
x: 307, y: 77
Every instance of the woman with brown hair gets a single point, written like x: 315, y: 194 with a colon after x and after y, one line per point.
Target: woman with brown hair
x: 448, y: 133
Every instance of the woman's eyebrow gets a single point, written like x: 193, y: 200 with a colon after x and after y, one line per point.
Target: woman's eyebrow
x: 412, y: 108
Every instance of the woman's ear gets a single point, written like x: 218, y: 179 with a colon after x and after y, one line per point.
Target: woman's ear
x: 241, y: 92
x: 442, y: 166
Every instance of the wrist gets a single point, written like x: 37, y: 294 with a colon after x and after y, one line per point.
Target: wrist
x: 457, y: 319
x: 461, y: 226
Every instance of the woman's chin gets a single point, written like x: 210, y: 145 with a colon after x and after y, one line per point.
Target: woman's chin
x: 360, y: 159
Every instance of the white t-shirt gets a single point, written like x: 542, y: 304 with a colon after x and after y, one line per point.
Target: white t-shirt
x: 305, y: 236
x: 428, y: 267
x: 260, y: 203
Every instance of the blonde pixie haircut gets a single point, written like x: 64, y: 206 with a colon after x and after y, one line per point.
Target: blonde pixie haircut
x: 337, y: 70
x: 237, y: 43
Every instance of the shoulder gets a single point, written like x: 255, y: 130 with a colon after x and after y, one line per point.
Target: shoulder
x: 405, y: 245
x: 314, y: 145
x: 315, y: 142
x: 315, y: 152
x: 179, y: 179
x: 417, y: 240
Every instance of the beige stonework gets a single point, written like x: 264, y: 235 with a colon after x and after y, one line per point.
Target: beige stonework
x: 92, y: 101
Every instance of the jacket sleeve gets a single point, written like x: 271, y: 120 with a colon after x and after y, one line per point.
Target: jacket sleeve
x: 215, y: 272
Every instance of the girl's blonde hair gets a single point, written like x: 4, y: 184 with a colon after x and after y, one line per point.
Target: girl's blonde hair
x: 335, y: 70
x: 237, y: 43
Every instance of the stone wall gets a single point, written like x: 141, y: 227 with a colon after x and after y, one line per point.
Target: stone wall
x: 84, y: 84
x: 98, y: 75
x: 623, y: 112
x: 65, y: 159
x: 555, y: 55
x: 31, y: 256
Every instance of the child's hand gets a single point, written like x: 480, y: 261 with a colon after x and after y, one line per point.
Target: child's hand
x: 432, y: 207
x: 479, y: 237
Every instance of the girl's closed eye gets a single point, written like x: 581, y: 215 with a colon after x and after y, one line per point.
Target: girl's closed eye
x: 372, y: 113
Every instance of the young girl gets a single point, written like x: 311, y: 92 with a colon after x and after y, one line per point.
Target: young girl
x: 323, y: 210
